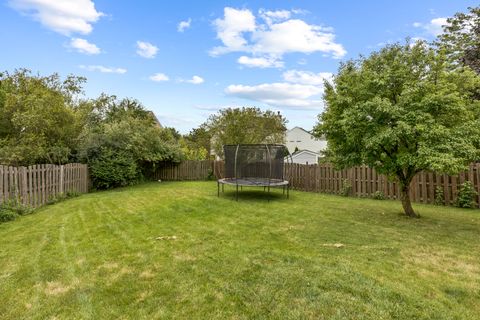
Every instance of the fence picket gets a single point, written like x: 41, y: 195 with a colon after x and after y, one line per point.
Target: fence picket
x: 35, y: 185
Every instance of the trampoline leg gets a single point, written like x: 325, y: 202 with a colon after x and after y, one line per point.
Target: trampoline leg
x: 236, y: 194
x: 288, y: 191
x: 268, y: 197
x: 218, y: 189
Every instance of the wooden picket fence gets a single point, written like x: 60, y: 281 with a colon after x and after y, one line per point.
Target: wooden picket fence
x: 34, y: 186
x: 186, y: 170
x: 364, y: 181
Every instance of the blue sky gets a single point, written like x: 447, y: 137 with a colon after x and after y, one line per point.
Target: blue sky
x: 186, y: 59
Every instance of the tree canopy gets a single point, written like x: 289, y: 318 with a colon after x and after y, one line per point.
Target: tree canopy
x: 461, y: 38
x: 196, y: 145
x: 38, y: 120
x: 402, y: 110
x: 245, y: 125
x: 48, y: 120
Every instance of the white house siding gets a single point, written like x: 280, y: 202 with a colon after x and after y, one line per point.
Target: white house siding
x: 304, y: 157
x: 302, y: 140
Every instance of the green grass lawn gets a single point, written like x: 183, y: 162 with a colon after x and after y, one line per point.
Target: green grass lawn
x: 97, y: 257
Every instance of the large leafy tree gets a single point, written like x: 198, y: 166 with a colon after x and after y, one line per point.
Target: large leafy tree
x: 196, y: 145
x: 47, y: 120
x: 38, y: 120
x: 121, y: 142
x: 245, y: 125
x: 461, y: 38
x: 402, y: 110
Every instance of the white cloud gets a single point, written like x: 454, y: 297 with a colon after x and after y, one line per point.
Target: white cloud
x: 415, y: 40
x: 286, y: 95
x: 307, y: 77
x: 83, y: 46
x: 158, y: 77
x: 230, y: 30
x: 280, y: 34
x: 104, y: 69
x: 184, y: 25
x: 300, y: 11
x: 146, y: 49
x: 296, y: 36
x: 260, y: 62
x: 194, y: 80
x: 209, y: 108
x: 434, y: 27
x: 302, y: 62
x: 62, y: 16
x: 274, y: 16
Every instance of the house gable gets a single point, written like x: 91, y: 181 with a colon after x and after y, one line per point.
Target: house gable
x: 299, y: 138
x: 305, y: 157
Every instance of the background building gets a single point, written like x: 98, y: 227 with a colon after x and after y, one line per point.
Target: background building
x: 303, y: 146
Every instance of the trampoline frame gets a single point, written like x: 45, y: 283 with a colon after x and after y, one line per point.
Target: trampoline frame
x: 266, y: 182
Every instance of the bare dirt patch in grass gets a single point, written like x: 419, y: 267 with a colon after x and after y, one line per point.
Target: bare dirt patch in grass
x: 147, y: 274
x: 435, y: 260
x: 55, y: 288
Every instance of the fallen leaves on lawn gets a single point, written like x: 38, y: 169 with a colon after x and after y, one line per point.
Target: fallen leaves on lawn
x: 336, y: 245
x: 166, y: 238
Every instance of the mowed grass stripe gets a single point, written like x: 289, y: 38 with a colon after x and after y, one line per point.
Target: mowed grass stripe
x: 240, y: 260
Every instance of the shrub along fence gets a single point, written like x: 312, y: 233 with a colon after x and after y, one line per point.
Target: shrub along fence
x: 34, y: 186
x: 361, y: 181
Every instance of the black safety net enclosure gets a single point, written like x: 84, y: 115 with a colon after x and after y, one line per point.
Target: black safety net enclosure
x: 255, y: 165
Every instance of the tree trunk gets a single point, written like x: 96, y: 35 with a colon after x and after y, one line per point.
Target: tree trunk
x: 407, y: 205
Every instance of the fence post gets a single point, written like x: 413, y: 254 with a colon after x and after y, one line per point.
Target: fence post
x: 24, y: 186
x: 1, y: 184
x: 62, y: 182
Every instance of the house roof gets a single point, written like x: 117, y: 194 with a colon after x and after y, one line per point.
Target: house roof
x: 155, y: 119
x: 306, y: 151
x: 300, y: 129
x: 308, y: 132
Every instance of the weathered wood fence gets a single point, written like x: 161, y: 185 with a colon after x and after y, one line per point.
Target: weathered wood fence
x: 35, y: 185
x: 364, y: 181
x: 186, y: 170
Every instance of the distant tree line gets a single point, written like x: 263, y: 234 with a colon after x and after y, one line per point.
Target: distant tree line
x: 233, y: 126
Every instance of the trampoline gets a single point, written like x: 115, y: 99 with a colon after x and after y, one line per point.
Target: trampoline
x: 254, y: 165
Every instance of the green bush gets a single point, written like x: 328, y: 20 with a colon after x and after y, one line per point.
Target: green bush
x: 62, y: 196
x: 7, y: 214
x: 439, y: 198
x: 11, y: 209
x: 56, y: 198
x: 378, y: 195
x: 210, y: 175
x: 346, y: 188
x: 113, y: 169
x: 466, y: 196
x: 72, y: 194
